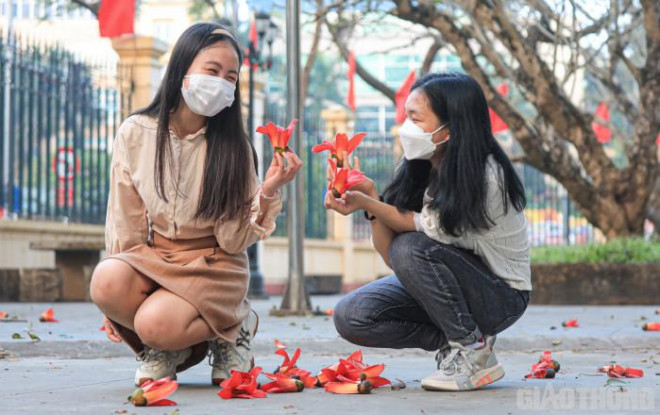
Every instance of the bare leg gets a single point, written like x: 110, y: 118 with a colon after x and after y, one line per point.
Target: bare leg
x: 168, y: 322
x: 118, y: 290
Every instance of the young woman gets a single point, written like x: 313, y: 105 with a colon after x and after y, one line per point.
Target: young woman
x: 451, y: 227
x: 185, y: 202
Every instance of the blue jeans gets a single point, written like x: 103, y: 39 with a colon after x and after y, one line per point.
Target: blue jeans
x: 439, y: 293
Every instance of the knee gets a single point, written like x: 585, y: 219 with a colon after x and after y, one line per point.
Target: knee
x: 155, y: 329
x: 105, y: 286
x: 350, y: 319
x: 405, y: 251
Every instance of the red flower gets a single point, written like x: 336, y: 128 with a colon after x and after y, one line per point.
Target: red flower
x: 343, y: 179
x: 48, y: 316
x: 653, y: 326
x: 282, y: 384
x: 278, y: 136
x: 279, y: 344
x: 288, y: 368
x: 570, y: 323
x: 352, y: 375
x: 340, y: 147
x: 3, y: 314
x: 616, y: 371
x: 154, y: 393
x: 545, y: 368
x: 242, y: 385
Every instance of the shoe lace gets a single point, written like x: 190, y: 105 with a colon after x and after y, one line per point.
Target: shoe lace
x: 220, y: 351
x: 455, y: 361
x: 442, y: 354
x: 151, y: 357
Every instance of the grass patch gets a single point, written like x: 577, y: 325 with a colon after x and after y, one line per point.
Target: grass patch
x: 619, y: 251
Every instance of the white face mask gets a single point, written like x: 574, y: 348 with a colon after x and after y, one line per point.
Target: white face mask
x: 416, y: 143
x: 208, y: 95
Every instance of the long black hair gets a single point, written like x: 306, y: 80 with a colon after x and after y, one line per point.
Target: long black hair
x: 230, y: 154
x: 458, y: 186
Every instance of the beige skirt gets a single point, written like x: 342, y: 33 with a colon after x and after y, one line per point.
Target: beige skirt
x: 198, y: 271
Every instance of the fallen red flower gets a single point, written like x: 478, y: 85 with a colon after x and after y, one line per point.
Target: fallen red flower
x: 570, y: 323
x: 242, y: 385
x: 363, y: 387
x: 288, y: 368
x: 545, y: 368
x: 3, y: 314
x: 343, y: 179
x: 341, y: 147
x: 279, y: 344
x: 352, y: 371
x: 282, y: 384
x: 48, y: 316
x: 653, y: 326
x: 617, y: 371
x: 154, y: 393
x: 278, y: 136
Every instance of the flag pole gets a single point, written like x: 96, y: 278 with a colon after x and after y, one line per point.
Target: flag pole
x: 295, y: 300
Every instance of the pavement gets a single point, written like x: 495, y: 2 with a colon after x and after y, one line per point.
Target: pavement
x: 75, y: 369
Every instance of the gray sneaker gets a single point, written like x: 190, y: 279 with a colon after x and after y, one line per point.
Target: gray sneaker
x: 465, y: 368
x: 225, y: 357
x: 156, y: 364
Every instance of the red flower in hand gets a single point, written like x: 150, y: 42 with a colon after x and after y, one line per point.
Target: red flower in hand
x: 340, y: 147
x: 278, y: 136
x: 154, y: 393
x: 343, y: 179
x: 242, y: 385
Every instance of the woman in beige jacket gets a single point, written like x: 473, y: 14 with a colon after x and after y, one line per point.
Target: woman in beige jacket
x: 185, y: 203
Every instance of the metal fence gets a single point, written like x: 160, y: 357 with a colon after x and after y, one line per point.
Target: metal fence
x: 313, y: 173
x: 63, y: 113
x: 552, y: 218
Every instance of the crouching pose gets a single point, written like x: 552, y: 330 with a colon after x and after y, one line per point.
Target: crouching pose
x: 185, y: 202
x: 451, y: 226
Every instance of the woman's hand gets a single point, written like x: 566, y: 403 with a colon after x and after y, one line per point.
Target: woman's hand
x: 282, y: 170
x: 111, y: 330
x: 349, y: 202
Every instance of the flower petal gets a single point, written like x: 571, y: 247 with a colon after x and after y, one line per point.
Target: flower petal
x: 354, y: 142
x: 341, y: 388
x: 326, y: 145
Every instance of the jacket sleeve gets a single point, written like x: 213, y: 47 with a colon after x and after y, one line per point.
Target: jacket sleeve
x: 237, y: 234
x: 126, y: 217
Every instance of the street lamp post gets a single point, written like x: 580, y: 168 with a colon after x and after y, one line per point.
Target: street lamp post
x: 263, y: 25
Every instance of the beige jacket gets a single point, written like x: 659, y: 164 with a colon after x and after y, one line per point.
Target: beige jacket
x: 133, y: 200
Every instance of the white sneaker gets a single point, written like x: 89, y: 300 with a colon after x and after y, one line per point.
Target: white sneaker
x: 225, y: 356
x: 156, y: 364
x: 466, y: 368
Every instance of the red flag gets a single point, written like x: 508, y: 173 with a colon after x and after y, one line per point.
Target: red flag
x: 253, y: 36
x: 603, y: 133
x: 350, y: 97
x: 401, y: 96
x: 497, y: 124
x: 116, y: 17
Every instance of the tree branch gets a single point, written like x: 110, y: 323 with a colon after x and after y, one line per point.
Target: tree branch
x: 359, y: 69
x: 93, y: 7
